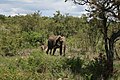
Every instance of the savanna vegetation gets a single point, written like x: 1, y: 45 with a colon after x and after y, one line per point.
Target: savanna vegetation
x: 93, y: 45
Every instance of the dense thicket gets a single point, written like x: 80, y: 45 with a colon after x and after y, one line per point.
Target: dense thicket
x: 19, y: 32
x: 26, y: 33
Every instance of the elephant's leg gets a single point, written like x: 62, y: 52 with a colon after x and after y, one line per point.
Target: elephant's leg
x: 61, y: 50
x: 54, y: 51
x: 64, y: 49
x: 50, y: 51
x: 47, y: 51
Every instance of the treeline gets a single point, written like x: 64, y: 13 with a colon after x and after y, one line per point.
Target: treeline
x: 21, y: 32
x: 84, y: 37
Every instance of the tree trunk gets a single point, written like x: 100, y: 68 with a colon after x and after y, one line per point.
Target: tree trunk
x: 112, y: 39
x: 108, y: 49
x: 111, y: 55
x: 105, y: 29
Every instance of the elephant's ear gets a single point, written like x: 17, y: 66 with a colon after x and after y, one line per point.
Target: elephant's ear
x: 58, y: 38
x: 62, y: 38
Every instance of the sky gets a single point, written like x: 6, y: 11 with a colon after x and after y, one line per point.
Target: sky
x: 46, y: 7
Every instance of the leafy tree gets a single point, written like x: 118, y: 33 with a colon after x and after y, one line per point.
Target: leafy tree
x: 63, y: 24
x: 105, y: 11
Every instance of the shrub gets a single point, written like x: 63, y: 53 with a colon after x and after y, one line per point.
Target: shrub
x: 74, y: 64
x: 96, y: 69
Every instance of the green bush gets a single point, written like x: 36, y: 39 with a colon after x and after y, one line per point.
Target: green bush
x: 74, y: 64
x: 33, y: 39
x: 97, y: 69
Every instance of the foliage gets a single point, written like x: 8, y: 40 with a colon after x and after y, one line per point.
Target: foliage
x: 39, y: 65
x: 97, y: 68
x: 104, y: 12
x: 75, y: 64
x: 36, y: 66
x: 19, y: 33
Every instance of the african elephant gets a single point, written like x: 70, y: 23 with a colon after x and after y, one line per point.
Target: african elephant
x: 55, y: 42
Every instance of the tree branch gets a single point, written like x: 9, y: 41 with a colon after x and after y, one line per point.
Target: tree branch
x: 114, y: 36
x: 116, y: 39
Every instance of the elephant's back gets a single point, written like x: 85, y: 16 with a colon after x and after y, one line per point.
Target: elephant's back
x: 51, y: 41
x: 52, y: 37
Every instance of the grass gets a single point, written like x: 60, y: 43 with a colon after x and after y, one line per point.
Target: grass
x: 36, y: 66
x: 40, y: 66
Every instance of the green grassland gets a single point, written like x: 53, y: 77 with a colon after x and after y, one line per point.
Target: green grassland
x: 40, y: 66
x: 22, y: 59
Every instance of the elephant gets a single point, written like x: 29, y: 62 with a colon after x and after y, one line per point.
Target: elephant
x: 55, y: 42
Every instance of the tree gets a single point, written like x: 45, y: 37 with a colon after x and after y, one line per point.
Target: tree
x: 105, y: 11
